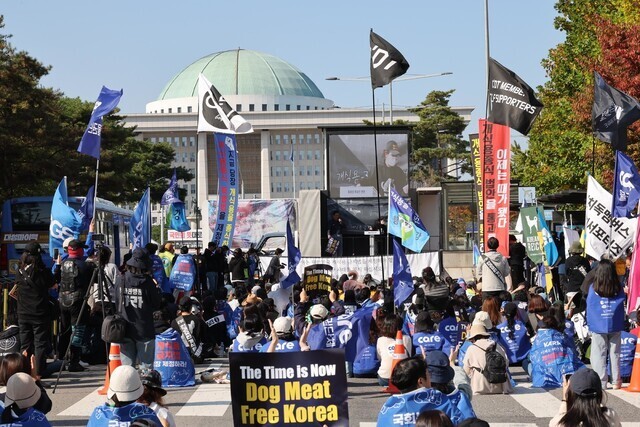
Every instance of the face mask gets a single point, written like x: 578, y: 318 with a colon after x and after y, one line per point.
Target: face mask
x: 391, y: 160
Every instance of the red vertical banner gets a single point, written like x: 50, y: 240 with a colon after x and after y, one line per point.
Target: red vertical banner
x: 496, y: 177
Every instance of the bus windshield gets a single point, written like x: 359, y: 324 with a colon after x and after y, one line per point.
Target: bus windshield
x: 33, y: 216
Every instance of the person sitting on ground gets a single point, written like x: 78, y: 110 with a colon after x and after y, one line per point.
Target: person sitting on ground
x: 537, y: 308
x: 433, y: 418
x: 251, y: 337
x: 125, y: 387
x: 425, y: 336
x: 552, y: 355
x: 20, y: 400
x: 436, y: 292
x: 190, y: 327
x: 152, y: 397
x: 491, y: 305
x: 282, y: 338
x: 412, y: 379
x: 10, y: 337
x: 385, y: 346
x: 582, y: 403
x: 488, y: 371
x: 306, y: 313
x: 450, y: 380
x: 16, y: 362
x: 513, y: 336
x: 214, y: 333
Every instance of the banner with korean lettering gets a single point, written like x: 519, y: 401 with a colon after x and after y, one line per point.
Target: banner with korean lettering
x: 306, y: 388
x: 496, y: 172
x: 228, y: 188
x: 173, y: 361
x: 605, y: 234
x: 530, y: 227
x: 476, y: 163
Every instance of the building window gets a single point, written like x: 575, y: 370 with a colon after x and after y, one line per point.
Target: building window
x: 238, y: 107
x: 309, y: 171
x: 276, y: 107
x: 278, y: 171
x: 302, y: 186
x: 287, y: 107
x: 184, y: 141
x: 308, y: 108
x: 179, y: 109
x: 189, y: 109
x: 153, y: 139
x: 192, y: 158
x: 264, y: 107
x: 298, y: 107
x: 317, y: 138
x: 192, y: 141
x: 317, y: 171
x: 278, y: 187
x: 293, y: 139
x: 317, y: 155
x: 162, y: 111
x: 277, y: 139
x: 301, y: 171
x: 285, y: 139
x: 309, y: 154
x: 169, y: 111
x: 315, y: 108
x: 300, y: 155
x: 252, y: 107
x: 286, y: 187
x: 272, y: 187
x: 277, y: 155
x: 193, y: 189
x: 285, y: 171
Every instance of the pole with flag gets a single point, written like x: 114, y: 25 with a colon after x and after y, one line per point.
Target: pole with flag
x: 386, y: 64
x: 65, y: 221
x: 293, y: 259
x: 612, y: 113
x: 402, y: 279
x: 140, y: 225
x: 90, y: 142
x: 626, y: 187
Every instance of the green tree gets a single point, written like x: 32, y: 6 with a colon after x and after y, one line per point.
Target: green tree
x: 438, y: 136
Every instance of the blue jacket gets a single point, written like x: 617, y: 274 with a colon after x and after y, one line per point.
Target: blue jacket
x: 404, y: 409
x: 102, y: 415
x: 282, y: 346
x: 517, y: 348
x: 552, y: 356
x: 30, y: 418
x: 461, y: 401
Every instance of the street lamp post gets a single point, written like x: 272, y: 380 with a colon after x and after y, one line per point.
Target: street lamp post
x: 402, y: 78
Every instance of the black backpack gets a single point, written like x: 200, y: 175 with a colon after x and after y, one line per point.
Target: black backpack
x: 70, y: 289
x: 495, y: 370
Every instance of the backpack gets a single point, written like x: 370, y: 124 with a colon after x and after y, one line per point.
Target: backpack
x: 495, y: 370
x: 70, y: 289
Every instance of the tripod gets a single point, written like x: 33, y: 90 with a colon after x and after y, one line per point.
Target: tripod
x: 99, y: 272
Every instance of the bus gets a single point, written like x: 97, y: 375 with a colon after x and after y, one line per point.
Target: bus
x: 25, y: 219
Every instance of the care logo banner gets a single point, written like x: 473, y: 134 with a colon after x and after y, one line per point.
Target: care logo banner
x: 278, y: 389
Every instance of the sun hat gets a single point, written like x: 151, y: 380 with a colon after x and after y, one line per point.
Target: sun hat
x: 140, y: 259
x: 21, y: 390
x: 482, y: 318
x: 440, y: 369
x: 477, y: 330
x: 125, y: 384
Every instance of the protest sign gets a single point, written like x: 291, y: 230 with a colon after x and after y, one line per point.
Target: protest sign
x: 317, y: 281
x: 301, y: 388
x: 173, y: 361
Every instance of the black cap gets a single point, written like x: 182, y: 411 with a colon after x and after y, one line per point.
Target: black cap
x: 153, y: 379
x: 33, y: 248
x: 585, y: 382
x: 77, y: 244
x: 279, y: 251
x: 140, y: 259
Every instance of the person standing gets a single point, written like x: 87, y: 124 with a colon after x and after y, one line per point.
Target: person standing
x: 493, y: 268
x: 210, y: 266
x: 517, y: 254
x: 34, y: 311
x: 605, y: 318
x: 168, y: 257
x: 336, y: 227
x: 576, y: 269
x: 272, y: 275
x: 238, y: 268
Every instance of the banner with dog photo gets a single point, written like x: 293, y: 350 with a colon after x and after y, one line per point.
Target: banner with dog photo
x: 530, y: 228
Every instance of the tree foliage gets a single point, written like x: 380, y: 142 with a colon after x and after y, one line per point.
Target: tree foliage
x: 603, y: 36
x: 438, y: 136
x: 39, y: 134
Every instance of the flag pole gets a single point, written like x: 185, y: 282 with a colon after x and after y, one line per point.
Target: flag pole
x: 375, y: 150
x: 95, y: 190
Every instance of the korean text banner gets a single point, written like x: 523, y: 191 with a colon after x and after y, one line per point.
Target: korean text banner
x: 605, y: 234
x: 278, y: 389
x: 228, y: 188
x: 352, y: 164
x: 65, y: 221
x: 476, y: 163
x: 404, y: 222
x: 496, y: 172
x: 530, y: 228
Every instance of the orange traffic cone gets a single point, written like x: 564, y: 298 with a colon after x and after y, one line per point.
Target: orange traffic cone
x: 634, y: 385
x: 114, y: 362
x: 399, y: 353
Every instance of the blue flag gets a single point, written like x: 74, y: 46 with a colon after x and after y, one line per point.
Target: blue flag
x: 171, y: 195
x: 86, y: 210
x: 139, y: 228
x: 179, y: 218
x: 476, y: 253
x: 402, y: 280
x: 293, y: 258
x: 549, y: 246
x: 107, y: 101
x: 626, y: 186
x: 65, y: 221
x: 405, y: 223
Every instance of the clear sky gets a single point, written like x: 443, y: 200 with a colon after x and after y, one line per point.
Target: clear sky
x: 139, y: 45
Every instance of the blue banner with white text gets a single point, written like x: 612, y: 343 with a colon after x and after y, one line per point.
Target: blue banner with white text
x: 228, y: 188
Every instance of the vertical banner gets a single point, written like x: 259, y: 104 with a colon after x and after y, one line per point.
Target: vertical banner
x: 317, y: 281
x: 476, y: 163
x: 530, y: 227
x: 228, y: 188
x: 278, y: 389
x: 496, y: 171
x: 633, y: 297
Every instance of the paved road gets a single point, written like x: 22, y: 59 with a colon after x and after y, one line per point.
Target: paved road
x: 209, y: 404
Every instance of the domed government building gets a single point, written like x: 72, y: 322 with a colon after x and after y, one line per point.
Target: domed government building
x: 287, y: 110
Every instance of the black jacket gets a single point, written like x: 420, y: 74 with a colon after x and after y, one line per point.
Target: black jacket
x: 577, y: 268
x: 33, y: 292
x: 239, y: 268
x: 141, y: 299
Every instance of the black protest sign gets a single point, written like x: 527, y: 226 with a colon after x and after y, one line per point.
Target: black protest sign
x: 317, y: 281
x: 300, y: 388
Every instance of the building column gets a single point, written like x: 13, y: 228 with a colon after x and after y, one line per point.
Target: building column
x: 202, y: 178
x: 265, y: 178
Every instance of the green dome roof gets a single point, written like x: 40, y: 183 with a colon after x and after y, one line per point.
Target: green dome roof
x: 242, y: 72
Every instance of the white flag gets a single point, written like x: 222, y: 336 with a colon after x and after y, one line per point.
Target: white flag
x: 215, y: 114
x: 605, y: 234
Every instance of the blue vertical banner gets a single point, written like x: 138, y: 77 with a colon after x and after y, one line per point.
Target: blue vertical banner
x: 106, y: 102
x: 402, y: 279
x: 293, y: 259
x: 65, y: 221
x: 626, y: 186
x: 86, y: 210
x: 179, y: 218
x: 140, y: 225
x: 171, y: 195
x: 404, y: 222
x: 228, y: 188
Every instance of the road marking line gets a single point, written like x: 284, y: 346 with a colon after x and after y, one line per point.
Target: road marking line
x: 542, y: 405
x: 85, y: 407
x: 631, y: 424
x: 367, y: 424
x: 632, y: 398
x: 513, y: 424
x: 209, y: 400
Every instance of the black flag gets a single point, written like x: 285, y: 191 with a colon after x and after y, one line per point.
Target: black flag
x: 387, y: 62
x: 512, y: 102
x: 613, y: 111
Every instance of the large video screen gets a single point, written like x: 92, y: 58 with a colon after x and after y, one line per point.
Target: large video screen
x: 352, y: 163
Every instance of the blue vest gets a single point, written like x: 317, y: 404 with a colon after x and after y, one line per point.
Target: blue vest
x: 238, y: 348
x: 282, y: 347
x: 451, y: 331
x: 430, y: 341
x: 157, y: 270
x: 605, y: 315
x: 124, y: 416
x: 404, y: 409
x: 517, y: 348
x: 31, y: 418
x: 551, y: 357
x: 461, y: 401
x: 627, y: 353
x: 232, y: 326
x: 463, y: 350
x: 183, y: 273
x: 366, y: 361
